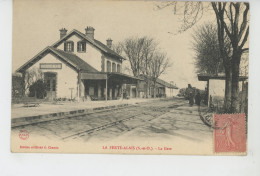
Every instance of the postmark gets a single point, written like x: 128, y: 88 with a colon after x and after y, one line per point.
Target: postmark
x: 229, y: 133
x: 23, y: 134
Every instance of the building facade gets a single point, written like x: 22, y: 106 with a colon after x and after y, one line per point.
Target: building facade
x: 161, y: 88
x: 78, y: 66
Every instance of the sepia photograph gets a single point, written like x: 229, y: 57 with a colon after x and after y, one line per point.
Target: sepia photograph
x: 130, y: 77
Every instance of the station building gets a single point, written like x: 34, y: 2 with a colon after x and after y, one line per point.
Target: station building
x: 80, y: 67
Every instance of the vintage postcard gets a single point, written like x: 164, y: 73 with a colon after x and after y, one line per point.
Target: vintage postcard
x: 130, y: 77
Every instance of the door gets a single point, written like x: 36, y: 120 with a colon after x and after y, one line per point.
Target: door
x: 51, y: 81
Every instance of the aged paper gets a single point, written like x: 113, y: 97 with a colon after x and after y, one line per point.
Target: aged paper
x: 130, y: 77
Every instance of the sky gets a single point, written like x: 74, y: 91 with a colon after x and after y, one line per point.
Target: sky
x: 36, y: 25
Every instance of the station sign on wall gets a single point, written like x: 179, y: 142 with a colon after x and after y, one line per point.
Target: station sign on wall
x: 50, y: 65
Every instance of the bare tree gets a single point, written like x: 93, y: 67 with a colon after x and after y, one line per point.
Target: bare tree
x: 189, y: 12
x: 145, y: 58
x: 149, y: 48
x: 118, y: 48
x: 132, y: 48
x: 158, y: 66
x: 232, y: 21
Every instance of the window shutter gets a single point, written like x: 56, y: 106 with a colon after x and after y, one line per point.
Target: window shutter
x: 78, y: 46
x: 65, y: 46
x: 85, y: 46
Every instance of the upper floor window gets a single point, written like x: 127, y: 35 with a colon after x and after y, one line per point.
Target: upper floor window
x: 81, y: 46
x: 69, y: 46
x: 108, y: 66
x: 113, y: 67
x: 118, y: 68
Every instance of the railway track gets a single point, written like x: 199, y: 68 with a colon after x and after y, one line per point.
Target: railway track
x: 117, y: 122
x: 71, y: 116
x: 101, y: 127
x: 79, y: 125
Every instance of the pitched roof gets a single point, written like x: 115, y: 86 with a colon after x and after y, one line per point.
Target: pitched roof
x: 94, y: 42
x: 109, y: 51
x: 81, y: 64
x: 66, y: 57
x: 161, y: 82
x: 166, y: 84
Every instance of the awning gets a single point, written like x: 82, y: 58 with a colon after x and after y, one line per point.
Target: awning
x: 123, y: 78
x: 113, y: 76
x: 93, y: 76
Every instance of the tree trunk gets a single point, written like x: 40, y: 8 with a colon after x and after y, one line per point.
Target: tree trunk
x: 154, y: 92
x: 235, y: 82
x: 228, y: 83
x: 154, y: 89
x: 147, y: 88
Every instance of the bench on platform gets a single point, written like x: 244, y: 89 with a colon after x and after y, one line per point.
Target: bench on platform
x: 31, y: 102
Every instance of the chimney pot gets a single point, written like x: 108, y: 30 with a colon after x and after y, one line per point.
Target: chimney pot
x: 109, y: 43
x: 63, y: 32
x: 90, y: 32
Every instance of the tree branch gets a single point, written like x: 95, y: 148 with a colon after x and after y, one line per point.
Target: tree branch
x: 245, y: 39
x: 244, y: 23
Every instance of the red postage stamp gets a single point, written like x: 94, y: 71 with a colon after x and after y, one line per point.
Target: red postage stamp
x: 229, y: 133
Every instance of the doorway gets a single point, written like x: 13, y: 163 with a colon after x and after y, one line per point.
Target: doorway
x: 50, y: 78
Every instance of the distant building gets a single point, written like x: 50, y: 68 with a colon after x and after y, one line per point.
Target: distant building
x: 162, y: 88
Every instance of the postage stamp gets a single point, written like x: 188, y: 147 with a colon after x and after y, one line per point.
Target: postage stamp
x: 230, y: 133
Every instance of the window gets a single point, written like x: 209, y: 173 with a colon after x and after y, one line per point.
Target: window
x: 69, y: 46
x: 108, y: 66
x: 113, y: 67
x: 81, y: 46
x: 118, y: 68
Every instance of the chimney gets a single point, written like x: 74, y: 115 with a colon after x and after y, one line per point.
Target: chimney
x: 63, y: 32
x: 109, y: 43
x: 90, y: 32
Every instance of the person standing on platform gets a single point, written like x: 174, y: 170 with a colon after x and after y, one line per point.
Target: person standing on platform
x: 191, y: 99
x: 197, y: 99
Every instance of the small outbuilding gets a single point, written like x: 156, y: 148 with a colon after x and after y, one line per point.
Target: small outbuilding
x: 216, y: 86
